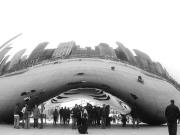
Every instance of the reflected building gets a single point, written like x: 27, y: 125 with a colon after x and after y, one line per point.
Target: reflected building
x: 16, y: 58
x: 160, y: 69
x: 102, y: 74
x: 24, y: 58
x: 4, y: 51
x: 3, y: 63
x: 124, y: 53
x: 71, y: 50
x: 143, y: 60
x: 47, y: 54
x: 77, y: 51
x: 106, y: 51
x: 37, y: 52
x: 63, y: 50
x: 143, y: 55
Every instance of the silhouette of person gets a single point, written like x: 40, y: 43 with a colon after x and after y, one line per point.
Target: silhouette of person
x: 172, y: 114
x: 135, y: 117
x: 55, y: 116
x: 123, y: 119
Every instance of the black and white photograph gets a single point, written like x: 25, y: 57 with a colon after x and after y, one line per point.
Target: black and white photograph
x: 97, y: 67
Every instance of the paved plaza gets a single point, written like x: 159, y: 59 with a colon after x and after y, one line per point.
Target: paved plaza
x: 66, y: 130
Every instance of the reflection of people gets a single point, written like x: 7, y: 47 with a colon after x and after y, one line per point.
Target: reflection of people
x: 135, y: 118
x: 41, y: 115
x: 16, y: 116
x: 124, y: 120
x: 36, y: 114
x: 61, y: 115
x: 103, y: 116
x: 23, y: 118
x: 26, y: 116
x: 172, y: 114
x: 55, y: 116
x: 74, y: 116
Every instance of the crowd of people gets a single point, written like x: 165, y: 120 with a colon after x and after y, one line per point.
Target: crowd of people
x: 89, y: 115
x: 84, y: 116
x: 25, y: 113
x: 63, y: 114
x: 96, y: 115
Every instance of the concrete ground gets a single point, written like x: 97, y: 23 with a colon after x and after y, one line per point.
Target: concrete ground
x: 66, y: 130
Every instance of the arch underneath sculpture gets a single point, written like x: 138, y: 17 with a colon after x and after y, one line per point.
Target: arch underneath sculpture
x: 47, y: 81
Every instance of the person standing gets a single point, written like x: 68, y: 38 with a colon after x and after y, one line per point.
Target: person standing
x: 123, y: 119
x: 42, y: 108
x: 108, y: 121
x: 172, y: 113
x: 74, y: 119
x: 23, y: 117
x: 61, y: 115
x: 82, y: 128
x: 135, y: 117
x: 36, y: 114
x: 103, y: 117
x: 16, y: 116
x: 55, y: 116
x: 68, y: 115
x: 64, y: 115
x: 26, y: 116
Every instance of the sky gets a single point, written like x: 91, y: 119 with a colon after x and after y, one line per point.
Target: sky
x: 152, y: 26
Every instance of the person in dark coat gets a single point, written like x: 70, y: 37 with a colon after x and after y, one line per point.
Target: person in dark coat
x: 55, y: 116
x: 61, y: 115
x: 103, y: 116
x: 135, y: 117
x: 84, y: 122
x: 124, y: 120
x: 172, y: 114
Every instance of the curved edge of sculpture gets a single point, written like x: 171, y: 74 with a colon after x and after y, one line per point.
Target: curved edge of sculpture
x: 150, y: 97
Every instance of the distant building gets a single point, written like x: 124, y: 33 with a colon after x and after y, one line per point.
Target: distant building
x: 84, y: 52
x: 37, y: 52
x: 24, y: 58
x: 143, y: 56
x: 41, y: 55
x: 159, y: 68
x: 125, y: 54
x: 120, y: 54
x: 3, y: 63
x: 5, y: 67
x: 141, y: 63
x: 16, y: 58
x: 106, y: 51
x: 152, y: 68
x: 4, y: 51
x: 47, y: 54
x: 63, y: 50
x: 166, y: 74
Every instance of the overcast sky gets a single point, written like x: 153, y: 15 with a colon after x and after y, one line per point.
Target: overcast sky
x: 151, y: 26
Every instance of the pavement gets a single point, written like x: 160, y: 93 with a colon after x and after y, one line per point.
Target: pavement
x: 66, y: 130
